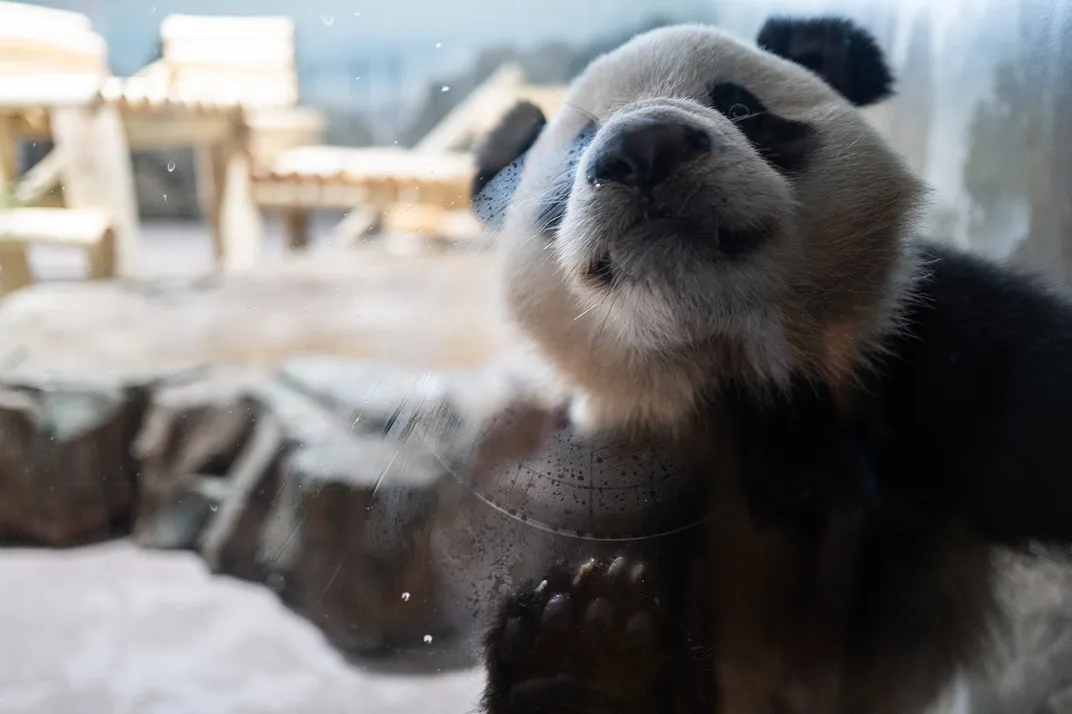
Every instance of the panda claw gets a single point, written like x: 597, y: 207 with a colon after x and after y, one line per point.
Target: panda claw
x: 581, y: 640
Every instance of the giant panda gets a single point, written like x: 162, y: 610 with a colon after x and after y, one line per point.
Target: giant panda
x: 710, y: 245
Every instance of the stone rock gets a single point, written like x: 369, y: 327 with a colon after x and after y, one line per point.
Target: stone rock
x: 347, y: 545
x: 275, y: 485
x: 66, y: 475
x: 192, y: 434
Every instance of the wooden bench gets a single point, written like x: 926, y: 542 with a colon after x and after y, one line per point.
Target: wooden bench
x: 250, y: 61
x: 20, y: 228
x: 52, y: 67
x: 247, y: 62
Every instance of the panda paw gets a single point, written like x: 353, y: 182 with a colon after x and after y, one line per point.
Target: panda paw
x: 587, y: 640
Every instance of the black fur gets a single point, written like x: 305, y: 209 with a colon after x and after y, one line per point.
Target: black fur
x: 976, y: 402
x: 965, y: 422
x: 551, y: 209
x: 838, y: 50
x: 784, y: 143
x: 512, y: 136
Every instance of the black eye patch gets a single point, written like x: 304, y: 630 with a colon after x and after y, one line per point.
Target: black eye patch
x: 552, y: 205
x: 783, y: 143
x: 491, y: 201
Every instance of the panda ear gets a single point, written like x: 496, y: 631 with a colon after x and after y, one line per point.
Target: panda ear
x: 510, y: 139
x: 844, y: 54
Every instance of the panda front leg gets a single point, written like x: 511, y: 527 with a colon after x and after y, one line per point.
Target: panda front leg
x: 592, y: 639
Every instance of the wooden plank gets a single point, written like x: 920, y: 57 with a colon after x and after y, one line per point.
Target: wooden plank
x: 179, y: 27
x: 41, y: 180
x: 374, y: 164
x: 209, y: 181
x: 101, y: 258
x: 56, y: 226
x: 52, y: 91
x: 9, y: 164
x: 455, y: 130
x: 355, y: 225
x: 37, y: 41
x: 14, y: 269
x: 98, y: 173
x: 162, y: 130
x: 296, y: 227
x: 273, y: 131
x: 251, y: 59
x: 17, y: 14
x: 241, y: 226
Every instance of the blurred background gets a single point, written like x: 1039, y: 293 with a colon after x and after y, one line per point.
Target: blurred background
x: 233, y: 232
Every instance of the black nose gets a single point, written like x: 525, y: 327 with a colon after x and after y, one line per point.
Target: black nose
x: 642, y: 155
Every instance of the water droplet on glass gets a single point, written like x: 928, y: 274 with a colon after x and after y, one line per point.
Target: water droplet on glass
x: 405, y: 597
x: 427, y: 639
x: 171, y: 165
x: 357, y: 14
x: 327, y: 20
x: 438, y: 45
x: 165, y: 198
x: 358, y: 77
x: 445, y: 88
x: 213, y: 507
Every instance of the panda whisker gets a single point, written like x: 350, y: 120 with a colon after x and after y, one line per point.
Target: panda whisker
x: 583, y: 112
x: 753, y: 115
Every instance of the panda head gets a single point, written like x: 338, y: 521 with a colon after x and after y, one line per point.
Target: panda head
x: 704, y: 209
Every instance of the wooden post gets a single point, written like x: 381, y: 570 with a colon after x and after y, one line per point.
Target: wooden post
x: 209, y: 180
x: 101, y: 257
x: 296, y: 227
x: 225, y: 195
x: 241, y: 225
x: 98, y: 172
x: 9, y: 159
x: 14, y: 269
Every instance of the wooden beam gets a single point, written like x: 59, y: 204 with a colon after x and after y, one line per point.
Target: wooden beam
x: 355, y: 225
x: 48, y: 90
x: 456, y: 129
x: 41, y: 180
x: 98, y: 173
x: 9, y: 164
x: 241, y: 225
x: 56, y: 226
x: 166, y: 130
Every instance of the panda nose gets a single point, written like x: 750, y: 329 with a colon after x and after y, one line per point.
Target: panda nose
x: 643, y: 155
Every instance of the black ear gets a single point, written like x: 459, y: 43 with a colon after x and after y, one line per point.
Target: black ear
x: 844, y: 54
x: 512, y: 137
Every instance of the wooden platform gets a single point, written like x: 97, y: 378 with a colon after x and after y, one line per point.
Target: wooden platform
x: 424, y: 311
x: 334, y: 177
